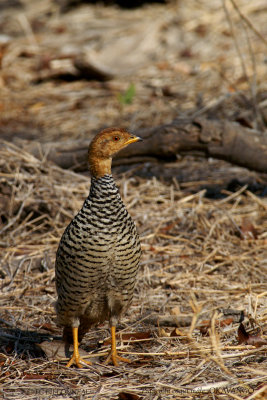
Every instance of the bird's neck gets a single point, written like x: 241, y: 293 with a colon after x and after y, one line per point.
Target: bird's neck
x: 104, y: 188
x: 99, y: 167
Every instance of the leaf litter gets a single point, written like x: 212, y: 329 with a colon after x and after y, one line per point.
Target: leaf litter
x: 198, y: 280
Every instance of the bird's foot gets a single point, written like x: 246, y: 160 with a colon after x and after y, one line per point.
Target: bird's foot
x: 76, y: 359
x: 113, y: 355
x: 115, y: 358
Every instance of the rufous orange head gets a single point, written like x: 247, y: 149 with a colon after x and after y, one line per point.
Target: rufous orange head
x: 104, y: 146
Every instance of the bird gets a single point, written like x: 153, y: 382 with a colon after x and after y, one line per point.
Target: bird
x: 98, y: 256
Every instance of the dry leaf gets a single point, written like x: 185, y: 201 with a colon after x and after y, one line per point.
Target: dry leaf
x: 163, y: 333
x: 247, y: 338
x: 136, y: 335
x: 176, y: 332
x: 248, y: 230
x: 2, y: 360
x: 57, y: 350
x: 168, y: 227
x: 38, y: 376
x: 242, y: 334
x: 206, y: 324
x: 128, y: 396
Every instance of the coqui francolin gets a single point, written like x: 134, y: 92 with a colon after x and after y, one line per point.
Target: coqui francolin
x: 98, y: 255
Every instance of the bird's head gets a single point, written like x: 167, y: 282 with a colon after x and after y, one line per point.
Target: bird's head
x: 104, y: 146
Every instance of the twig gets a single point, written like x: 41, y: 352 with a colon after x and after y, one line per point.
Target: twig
x: 229, y: 19
x: 248, y: 22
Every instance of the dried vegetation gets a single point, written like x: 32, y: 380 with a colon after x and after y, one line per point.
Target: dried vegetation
x: 200, y: 258
x: 203, y: 269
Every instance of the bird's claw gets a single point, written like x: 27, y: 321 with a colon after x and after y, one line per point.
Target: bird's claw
x: 77, y: 360
x: 115, y: 358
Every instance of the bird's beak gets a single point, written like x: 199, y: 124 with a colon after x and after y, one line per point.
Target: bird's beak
x: 133, y: 139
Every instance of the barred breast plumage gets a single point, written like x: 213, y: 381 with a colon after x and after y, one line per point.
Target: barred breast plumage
x: 98, y: 256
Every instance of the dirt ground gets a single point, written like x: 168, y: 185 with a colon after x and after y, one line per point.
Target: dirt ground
x: 197, y: 326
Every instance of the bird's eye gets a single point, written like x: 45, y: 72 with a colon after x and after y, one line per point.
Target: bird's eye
x: 116, y: 138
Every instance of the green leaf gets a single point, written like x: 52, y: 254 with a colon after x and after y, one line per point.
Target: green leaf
x: 128, y: 96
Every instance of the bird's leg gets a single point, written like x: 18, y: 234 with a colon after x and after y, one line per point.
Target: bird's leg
x: 76, y: 356
x: 113, y: 354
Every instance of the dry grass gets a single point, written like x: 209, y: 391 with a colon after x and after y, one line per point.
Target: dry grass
x: 194, y: 264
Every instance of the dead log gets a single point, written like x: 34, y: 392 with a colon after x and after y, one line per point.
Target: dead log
x: 224, y: 140
x: 237, y: 316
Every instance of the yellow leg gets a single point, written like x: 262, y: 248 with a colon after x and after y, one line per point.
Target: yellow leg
x: 113, y: 354
x: 76, y: 356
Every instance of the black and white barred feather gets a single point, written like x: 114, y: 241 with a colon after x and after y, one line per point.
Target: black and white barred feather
x: 97, y: 260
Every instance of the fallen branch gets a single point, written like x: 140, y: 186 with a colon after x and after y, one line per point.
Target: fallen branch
x: 224, y: 140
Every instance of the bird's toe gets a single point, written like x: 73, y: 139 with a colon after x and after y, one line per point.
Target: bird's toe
x: 114, y: 358
x: 77, y: 361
